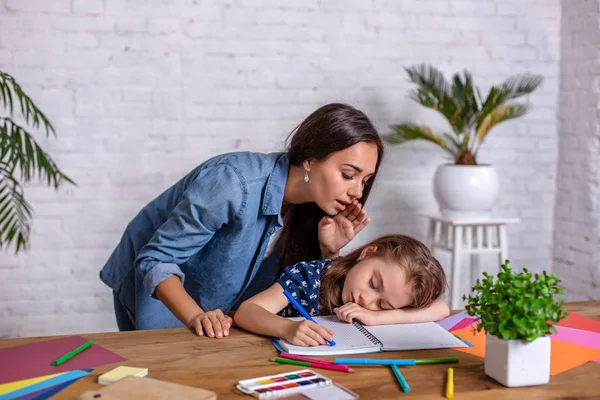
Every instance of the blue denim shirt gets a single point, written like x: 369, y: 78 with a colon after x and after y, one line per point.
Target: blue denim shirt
x: 211, y: 229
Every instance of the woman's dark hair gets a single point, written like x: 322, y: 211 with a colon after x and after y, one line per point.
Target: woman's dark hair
x: 331, y: 128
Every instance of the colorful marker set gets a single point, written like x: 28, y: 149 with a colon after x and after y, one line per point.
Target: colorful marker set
x: 283, y: 384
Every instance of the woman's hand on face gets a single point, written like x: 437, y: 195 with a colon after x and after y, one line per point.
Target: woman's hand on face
x: 336, y: 232
x: 211, y: 323
x: 307, y: 333
x: 352, y: 311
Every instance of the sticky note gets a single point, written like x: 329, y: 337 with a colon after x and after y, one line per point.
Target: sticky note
x: 120, y: 373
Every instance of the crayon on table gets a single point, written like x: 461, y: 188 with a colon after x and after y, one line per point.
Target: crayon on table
x: 444, y: 360
x: 71, y: 354
x: 331, y: 367
x: 450, y: 384
x: 400, y: 378
x: 307, y: 359
x: 372, y: 361
x: 302, y: 311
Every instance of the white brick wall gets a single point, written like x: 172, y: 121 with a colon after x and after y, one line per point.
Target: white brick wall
x: 577, y: 215
x: 141, y: 91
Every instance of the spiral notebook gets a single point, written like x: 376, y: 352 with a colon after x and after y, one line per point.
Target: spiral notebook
x: 355, y: 338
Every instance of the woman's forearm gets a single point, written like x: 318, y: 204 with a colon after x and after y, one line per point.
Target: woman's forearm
x: 178, y: 301
x: 255, y: 318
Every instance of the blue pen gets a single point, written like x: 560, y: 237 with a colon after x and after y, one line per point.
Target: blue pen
x: 371, y: 361
x: 302, y: 311
x: 401, y: 380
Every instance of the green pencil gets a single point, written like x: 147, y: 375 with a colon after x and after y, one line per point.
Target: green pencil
x: 71, y: 354
x: 419, y: 361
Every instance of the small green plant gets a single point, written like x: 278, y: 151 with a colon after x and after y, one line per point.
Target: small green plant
x: 515, y: 306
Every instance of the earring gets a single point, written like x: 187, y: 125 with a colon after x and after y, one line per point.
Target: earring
x: 306, y: 178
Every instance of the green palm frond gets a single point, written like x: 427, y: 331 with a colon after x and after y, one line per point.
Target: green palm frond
x: 21, y: 154
x: 15, y: 212
x: 9, y: 88
x: 20, y: 150
x: 408, y: 132
x: 434, y: 92
x: 512, y: 88
x: 461, y: 102
x: 466, y: 97
x: 503, y: 112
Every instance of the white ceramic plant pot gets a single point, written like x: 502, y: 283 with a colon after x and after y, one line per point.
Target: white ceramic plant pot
x: 518, y: 363
x: 465, y: 190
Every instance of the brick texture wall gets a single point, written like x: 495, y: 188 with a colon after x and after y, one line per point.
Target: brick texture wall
x: 577, y: 216
x: 141, y: 91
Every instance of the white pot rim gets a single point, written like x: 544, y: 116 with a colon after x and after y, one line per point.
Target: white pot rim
x: 463, y: 166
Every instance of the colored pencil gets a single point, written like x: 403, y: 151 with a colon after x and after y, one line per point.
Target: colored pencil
x: 332, y: 367
x: 370, y: 361
x: 302, y: 311
x: 450, y: 384
x: 400, y: 378
x: 420, y: 361
x: 307, y: 359
x: 71, y: 354
x: 377, y: 361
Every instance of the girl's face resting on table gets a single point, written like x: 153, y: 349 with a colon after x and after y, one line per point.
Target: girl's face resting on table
x: 377, y: 284
x: 339, y: 179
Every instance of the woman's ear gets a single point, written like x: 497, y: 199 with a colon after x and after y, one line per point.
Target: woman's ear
x: 367, y: 251
x: 306, y: 164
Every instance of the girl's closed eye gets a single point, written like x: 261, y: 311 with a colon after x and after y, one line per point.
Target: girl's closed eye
x: 372, y: 283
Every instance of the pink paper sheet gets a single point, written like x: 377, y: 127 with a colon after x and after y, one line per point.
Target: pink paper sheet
x: 35, y: 359
x: 452, y: 320
x: 463, y: 324
x: 578, y: 336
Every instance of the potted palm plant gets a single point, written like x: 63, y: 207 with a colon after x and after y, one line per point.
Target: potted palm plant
x: 463, y: 186
x: 21, y: 160
x: 518, y: 311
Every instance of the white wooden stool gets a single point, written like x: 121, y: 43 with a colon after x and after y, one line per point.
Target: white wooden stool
x: 467, y: 236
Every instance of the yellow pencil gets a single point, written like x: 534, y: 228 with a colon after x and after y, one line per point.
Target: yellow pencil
x: 450, y: 384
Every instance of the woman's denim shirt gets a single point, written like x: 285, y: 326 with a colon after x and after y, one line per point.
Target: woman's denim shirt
x: 211, y: 228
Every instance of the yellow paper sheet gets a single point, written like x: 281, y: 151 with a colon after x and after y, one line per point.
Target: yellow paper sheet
x: 12, y: 386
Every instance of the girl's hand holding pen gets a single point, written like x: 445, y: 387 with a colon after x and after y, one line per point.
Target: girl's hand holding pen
x: 307, y: 333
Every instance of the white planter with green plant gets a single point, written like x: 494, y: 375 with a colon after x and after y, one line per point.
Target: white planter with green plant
x: 463, y: 187
x: 518, y: 311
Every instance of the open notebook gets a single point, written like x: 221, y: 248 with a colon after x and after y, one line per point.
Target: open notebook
x: 356, y: 338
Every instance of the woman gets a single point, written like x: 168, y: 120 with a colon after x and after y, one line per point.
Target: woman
x: 191, y: 253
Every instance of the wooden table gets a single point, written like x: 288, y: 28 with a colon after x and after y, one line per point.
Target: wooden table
x: 177, y: 355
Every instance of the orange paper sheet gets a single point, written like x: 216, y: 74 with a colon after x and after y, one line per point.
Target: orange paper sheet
x: 563, y: 356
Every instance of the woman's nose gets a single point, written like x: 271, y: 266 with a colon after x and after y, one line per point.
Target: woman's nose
x: 355, y: 191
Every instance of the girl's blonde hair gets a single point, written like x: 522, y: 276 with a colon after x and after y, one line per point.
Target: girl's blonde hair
x: 423, y: 272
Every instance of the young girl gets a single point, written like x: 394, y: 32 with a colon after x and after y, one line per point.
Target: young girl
x: 393, y: 279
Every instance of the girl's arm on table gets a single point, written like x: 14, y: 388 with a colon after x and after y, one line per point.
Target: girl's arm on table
x: 436, y: 311
x: 258, y: 314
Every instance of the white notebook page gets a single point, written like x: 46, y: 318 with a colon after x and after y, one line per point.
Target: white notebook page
x: 428, y: 335
x: 348, y: 338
